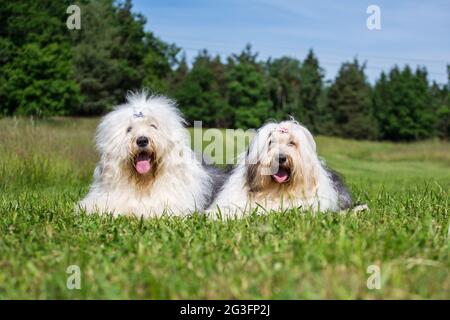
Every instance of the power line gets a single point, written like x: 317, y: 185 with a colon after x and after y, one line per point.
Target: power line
x: 231, y: 45
x: 322, y: 62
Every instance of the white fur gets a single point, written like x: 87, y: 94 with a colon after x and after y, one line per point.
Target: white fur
x: 311, y: 190
x: 180, y: 185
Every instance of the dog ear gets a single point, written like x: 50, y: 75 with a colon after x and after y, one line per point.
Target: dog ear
x: 309, y: 163
x: 309, y: 138
x: 259, y: 144
x: 251, y: 177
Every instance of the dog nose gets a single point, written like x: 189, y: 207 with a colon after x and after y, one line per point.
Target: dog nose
x: 282, y: 158
x: 142, y: 142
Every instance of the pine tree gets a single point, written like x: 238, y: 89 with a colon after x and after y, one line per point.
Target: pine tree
x: 311, y: 77
x: 113, y: 54
x: 324, y: 121
x: 248, y: 94
x: 350, y: 103
x: 97, y: 70
x: 440, y: 97
x: 129, y: 49
x: 402, y: 105
x: 36, y: 73
x: 178, y: 76
x: 200, y: 94
x: 380, y: 106
x: 159, y: 61
x: 283, y: 82
x: 39, y: 81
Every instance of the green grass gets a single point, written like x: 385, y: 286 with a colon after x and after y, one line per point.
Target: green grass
x: 46, y: 167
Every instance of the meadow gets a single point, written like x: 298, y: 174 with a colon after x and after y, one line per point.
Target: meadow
x: 46, y: 167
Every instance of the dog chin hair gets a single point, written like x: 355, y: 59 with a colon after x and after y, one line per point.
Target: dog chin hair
x: 262, y: 185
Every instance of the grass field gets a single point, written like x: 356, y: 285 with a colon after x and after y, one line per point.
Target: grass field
x: 46, y: 167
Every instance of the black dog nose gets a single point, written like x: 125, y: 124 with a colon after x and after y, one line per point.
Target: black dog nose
x: 282, y: 158
x: 142, y: 142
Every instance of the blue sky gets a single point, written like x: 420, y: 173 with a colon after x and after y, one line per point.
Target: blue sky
x: 414, y: 32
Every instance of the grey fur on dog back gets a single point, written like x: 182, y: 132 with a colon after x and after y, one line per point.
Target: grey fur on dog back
x: 219, y: 176
x: 345, y: 199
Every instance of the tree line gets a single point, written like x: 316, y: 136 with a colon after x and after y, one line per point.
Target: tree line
x: 46, y: 70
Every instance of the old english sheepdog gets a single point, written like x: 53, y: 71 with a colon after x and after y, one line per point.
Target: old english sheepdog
x: 146, y: 166
x: 281, y: 170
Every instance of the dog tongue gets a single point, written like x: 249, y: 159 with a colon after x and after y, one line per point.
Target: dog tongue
x: 143, y: 163
x: 281, y: 176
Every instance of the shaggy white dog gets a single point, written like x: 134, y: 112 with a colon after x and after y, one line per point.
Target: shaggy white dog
x: 146, y: 166
x: 281, y: 170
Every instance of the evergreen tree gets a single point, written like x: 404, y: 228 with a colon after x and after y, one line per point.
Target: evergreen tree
x: 113, y: 55
x: 201, y: 94
x: 36, y: 74
x: 324, y: 122
x: 381, y: 109
x: 97, y: 71
x: 39, y: 81
x: 440, y: 96
x: 129, y: 50
x: 283, y: 82
x: 311, y: 77
x: 403, y: 106
x: 46, y: 69
x: 350, y: 104
x: 42, y: 22
x: 248, y: 94
x: 159, y: 60
x: 222, y: 108
x: 177, y: 77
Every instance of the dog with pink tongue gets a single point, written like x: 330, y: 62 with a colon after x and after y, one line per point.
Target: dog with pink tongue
x: 146, y: 165
x: 280, y: 170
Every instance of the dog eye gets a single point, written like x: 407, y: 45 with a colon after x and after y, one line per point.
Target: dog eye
x: 270, y: 143
x: 154, y: 126
x: 129, y: 129
x: 291, y: 144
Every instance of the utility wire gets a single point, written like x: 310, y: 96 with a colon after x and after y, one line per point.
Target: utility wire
x: 322, y: 62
